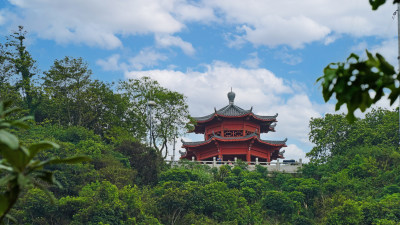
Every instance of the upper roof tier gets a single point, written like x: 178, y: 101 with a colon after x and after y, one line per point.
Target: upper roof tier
x: 232, y: 111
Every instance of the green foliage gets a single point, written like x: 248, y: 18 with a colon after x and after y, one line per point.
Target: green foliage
x: 223, y: 172
x: 37, y: 207
x: 19, y: 164
x: 74, y: 134
x: 105, y: 203
x: 146, y: 161
x: 73, y: 98
x: 66, y: 83
x: 181, y: 175
x: 334, y: 136
x: 278, y: 202
x: 348, y: 213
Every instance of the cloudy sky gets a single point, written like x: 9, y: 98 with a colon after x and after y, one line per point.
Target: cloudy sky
x: 269, y: 52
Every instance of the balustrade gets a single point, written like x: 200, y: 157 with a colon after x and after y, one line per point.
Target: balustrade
x: 271, y: 166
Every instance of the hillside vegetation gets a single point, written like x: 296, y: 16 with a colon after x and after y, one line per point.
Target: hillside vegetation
x: 353, y: 176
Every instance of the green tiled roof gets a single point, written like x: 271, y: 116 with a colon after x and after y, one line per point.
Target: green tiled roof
x: 233, y: 110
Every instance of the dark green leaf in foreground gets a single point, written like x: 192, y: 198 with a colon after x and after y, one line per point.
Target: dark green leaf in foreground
x: 359, y: 83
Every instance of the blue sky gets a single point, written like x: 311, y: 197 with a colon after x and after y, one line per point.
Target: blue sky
x: 269, y: 52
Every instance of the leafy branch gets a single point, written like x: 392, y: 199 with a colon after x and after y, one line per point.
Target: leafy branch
x: 359, y: 83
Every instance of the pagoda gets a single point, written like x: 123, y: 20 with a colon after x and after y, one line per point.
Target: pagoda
x: 232, y: 132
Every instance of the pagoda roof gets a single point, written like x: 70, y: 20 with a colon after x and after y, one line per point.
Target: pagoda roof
x: 232, y: 111
x: 244, y: 138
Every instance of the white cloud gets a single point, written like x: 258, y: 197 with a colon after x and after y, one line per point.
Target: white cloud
x: 360, y: 47
x: 146, y: 58
x: 331, y: 38
x: 234, y: 40
x: 209, y: 88
x: 389, y: 50
x: 110, y: 64
x: 187, y: 12
x: 294, y: 116
x: 3, y: 16
x: 95, y: 22
x: 297, y: 23
x: 168, y: 40
x: 260, y: 22
x: 253, y: 61
x: 294, y: 152
x: 288, y: 58
x: 294, y: 31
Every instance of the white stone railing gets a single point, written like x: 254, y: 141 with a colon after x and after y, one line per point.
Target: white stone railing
x: 286, y: 167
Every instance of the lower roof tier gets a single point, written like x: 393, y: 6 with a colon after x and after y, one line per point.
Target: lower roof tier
x: 234, y: 139
x: 247, y: 147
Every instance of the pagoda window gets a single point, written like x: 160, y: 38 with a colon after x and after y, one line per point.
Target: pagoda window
x: 238, y: 133
x: 218, y: 133
x: 233, y: 133
x: 250, y: 132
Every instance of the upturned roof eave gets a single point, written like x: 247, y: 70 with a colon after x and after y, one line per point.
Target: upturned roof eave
x: 255, y: 116
x: 274, y: 143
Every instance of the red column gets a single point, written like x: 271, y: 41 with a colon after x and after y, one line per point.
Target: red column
x: 248, y: 158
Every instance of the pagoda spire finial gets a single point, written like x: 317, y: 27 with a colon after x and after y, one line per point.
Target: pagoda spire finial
x: 231, y: 96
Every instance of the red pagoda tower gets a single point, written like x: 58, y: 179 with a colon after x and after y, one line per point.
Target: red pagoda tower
x: 234, y: 132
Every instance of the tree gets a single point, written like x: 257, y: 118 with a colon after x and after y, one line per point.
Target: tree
x: 75, y: 99
x: 66, y: 83
x: 278, y: 202
x: 105, y: 110
x: 360, y: 83
x: 328, y: 134
x: 333, y: 135
x: 349, y: 213
x: 19, y: 164
x: 21, y: 63
x: 5, y: 66
x: 169, y: 115
x: 144, y: 159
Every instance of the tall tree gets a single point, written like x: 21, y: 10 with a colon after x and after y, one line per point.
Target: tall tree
x: 75, y: 99
x: 66, y: 82
x: 105, y: 110
x: 5, y: 66
x: 22, y: 64
x: 168, y: 117
x: 7, y: 90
